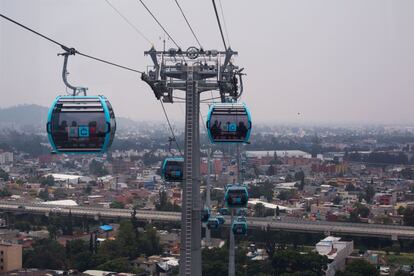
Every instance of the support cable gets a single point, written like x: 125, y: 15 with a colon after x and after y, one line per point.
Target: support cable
x: 68, y: 48
x: 219, y: 24
x: 188, y: 24
x: 158, y: 22
x: 171, y: 129
x: 129, y: 22
x: 224, y: 23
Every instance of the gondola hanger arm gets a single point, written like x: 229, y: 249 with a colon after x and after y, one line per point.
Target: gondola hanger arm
x: 68, y: 52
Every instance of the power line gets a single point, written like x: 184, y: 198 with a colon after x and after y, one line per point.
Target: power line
x: 224, y: 23
x: 158, y: 22
x: 68, y: 48
x: 171, y: 129
x: 128, y: 22
x: 188, y: 24
x: 219, y: 24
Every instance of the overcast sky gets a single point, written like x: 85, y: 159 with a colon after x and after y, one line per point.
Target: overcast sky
x: 319, y: 61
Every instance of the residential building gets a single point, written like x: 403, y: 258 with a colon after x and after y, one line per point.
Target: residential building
x: 10, y: 257
x: 337, y: 251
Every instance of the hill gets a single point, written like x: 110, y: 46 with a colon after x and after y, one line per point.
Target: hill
x: 32, y: 118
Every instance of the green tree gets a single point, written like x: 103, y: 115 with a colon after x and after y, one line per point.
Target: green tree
x: 127, y: 239
x: 408, y: 216
x: 46, y: 254
x: 4, y: 175
x: 337, y: 200
x: 359, y: 268
x: 286, y: 194
x: 59, y: 194
x: 350, y: 187
x: 289, y: 261
x: 117, y: 205
x: 117, y: 265
x: 164, y: 204
x: 44, y: 194
x: 400, y: 210
x: 259, y: 210
x: 149, y: 242
x: 362, y: 210
x: 5, y: 193
x: 47, y: 181
x: 299, y: 176
x: 369, y: 192
x: 271, y: 170
x: 97, y: 168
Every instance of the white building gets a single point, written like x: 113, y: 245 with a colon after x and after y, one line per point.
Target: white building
x: 6, y: 157
x: 279, y: 153
x: 337, y: 251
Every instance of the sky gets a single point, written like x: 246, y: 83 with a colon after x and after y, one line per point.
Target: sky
x: 319, y: 61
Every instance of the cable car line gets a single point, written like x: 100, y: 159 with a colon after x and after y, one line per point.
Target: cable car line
x: 224, y: 23
x: 219, y: 24
x: 188, y: 24
x: 128, y: 22
x: 159, y: 24
x: 171, y: 129
x: 110, y: 63
x: 68, y: 49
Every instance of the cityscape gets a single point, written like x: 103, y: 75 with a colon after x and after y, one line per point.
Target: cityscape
x: 183, y: 166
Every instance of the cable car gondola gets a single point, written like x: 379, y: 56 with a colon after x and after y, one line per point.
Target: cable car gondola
x: 172, y: 169
x: 224, y: 211
x: 239, y: 228
x: 241, y: 219
x: 229, y: 122
x: 236, y: 196
x: 205, y: 215
x: 221, y: 219
x: 213, y: 223
x: 81, y: 124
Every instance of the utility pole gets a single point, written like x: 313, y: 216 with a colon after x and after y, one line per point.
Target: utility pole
x: 203, y: 71
x: 232, y: 244
x: 208, y: 193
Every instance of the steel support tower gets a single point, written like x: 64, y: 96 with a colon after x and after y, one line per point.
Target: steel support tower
x: 193, y: 71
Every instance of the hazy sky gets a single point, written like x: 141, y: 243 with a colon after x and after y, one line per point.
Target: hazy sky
x: 329, y: 60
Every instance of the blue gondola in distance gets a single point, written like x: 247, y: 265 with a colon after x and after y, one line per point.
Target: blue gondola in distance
x: 236, y: 196
x: 239, y: 228
x: 205, y: 215
x: 172, y: 169
x: 229, y: 123
x: 213, y: 223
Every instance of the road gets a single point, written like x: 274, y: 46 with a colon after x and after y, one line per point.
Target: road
x: 286, y: 223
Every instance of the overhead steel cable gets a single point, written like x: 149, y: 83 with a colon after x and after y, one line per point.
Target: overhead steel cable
x: 219, y: 24
x: 159, y: 24
x: 129, y: 22
x: 171, y: 129
x: 69, y: 48
x: 224, y: 23
x: 188, y: 24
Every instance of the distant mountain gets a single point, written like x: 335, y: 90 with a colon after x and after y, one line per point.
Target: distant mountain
x: 32, y: 118
x: 23, y: 117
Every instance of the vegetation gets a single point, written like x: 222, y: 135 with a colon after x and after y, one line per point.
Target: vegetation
x: 261, y: 189
x: 409, y: 216
x: 4, y: 175
x: 117, y: 205
x: 359, y: 268
x: 47, y: 181
x: 113, y: 255
x: 97, y: 168
x: 165, y: 205
x: 286, y: 194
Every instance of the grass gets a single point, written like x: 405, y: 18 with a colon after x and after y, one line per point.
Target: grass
x: 402, y: 259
